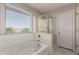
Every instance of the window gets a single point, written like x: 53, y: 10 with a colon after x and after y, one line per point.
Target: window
x: 17, y: 22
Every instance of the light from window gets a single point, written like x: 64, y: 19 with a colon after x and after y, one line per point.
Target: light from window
x: 17, y: 22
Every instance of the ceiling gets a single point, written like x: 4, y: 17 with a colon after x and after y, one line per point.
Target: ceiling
x: 46, y: 7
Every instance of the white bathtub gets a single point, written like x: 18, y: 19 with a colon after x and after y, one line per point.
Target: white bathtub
x: 25, y: 48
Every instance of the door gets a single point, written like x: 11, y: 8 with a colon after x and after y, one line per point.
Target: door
x: 65, y: 30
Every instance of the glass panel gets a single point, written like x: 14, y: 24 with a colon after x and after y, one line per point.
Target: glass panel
x: 17, y: 22
x: 42, y: 24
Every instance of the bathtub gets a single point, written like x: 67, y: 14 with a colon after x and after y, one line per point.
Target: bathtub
x: 25, y: 48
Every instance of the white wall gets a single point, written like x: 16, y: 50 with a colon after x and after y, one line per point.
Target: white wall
x: 34, y: 24
x: 2, y: 19
x: 62, y: 9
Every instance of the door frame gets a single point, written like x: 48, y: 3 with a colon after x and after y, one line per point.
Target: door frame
x: 74, y: 25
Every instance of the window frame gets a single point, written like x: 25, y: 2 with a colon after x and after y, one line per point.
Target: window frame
x: 22, y: 11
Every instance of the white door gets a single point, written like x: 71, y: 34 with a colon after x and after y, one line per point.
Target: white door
x: 65, y: 30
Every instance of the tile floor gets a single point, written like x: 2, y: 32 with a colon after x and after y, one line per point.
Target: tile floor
x: 62, y: 51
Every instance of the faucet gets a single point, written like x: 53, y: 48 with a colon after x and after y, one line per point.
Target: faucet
x: 39, y: 36
x: 38, y: 42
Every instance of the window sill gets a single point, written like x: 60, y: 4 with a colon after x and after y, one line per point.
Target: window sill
x: 17, y: 33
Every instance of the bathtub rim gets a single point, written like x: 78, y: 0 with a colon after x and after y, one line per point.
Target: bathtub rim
x: 43, y: 46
